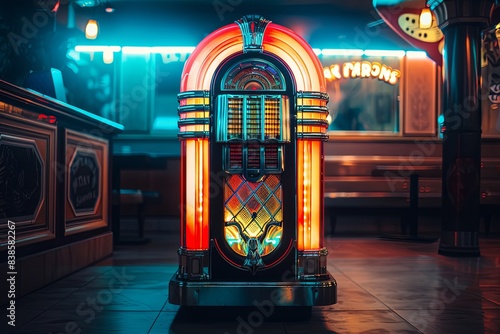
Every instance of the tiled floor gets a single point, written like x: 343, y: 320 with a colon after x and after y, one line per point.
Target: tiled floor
x: 383, y: 287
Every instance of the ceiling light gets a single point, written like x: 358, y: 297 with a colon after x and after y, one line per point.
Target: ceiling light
x: 425, y: 18
x: 87, y: 3
x: 91, y: 29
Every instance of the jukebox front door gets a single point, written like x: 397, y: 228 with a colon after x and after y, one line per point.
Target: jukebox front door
x: 253, y: 216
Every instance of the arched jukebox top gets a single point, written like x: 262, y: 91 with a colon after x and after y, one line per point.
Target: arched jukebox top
x: 253, y: 33
x: 253, y: 118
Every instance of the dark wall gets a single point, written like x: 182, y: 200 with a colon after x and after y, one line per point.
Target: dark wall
x: 30, y: 38
x: 165, y: 181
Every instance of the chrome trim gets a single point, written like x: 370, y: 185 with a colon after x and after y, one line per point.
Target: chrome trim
x: 192, y: 94
x: 253, y: 35
x: 193, y: 108
x: 312, y: 122
x: 207, y: 293
x: 193, y: 121
x: 312, y: 265
x: 319, y: 252
x: 312, y: 95
x: 193, y: 134
x: 312, y: 109
x: 312, y: 135
x: 193, y: 264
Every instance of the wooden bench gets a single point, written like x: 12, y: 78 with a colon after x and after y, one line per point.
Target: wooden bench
x: 387, y: 191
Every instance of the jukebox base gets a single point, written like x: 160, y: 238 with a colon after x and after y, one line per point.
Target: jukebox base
x: 209, y: 293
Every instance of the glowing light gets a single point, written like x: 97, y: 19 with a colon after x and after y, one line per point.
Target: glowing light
x: 56, y: 7
x: 385, y: 53
x: 221, y: 44
x: 425, y: 21
x: 416, y: 54
x: 96, y: 48
x: 365, y: 69
x: 309, y: 194
x: 172, y: 49
x: 91, y: 29
x: 342, y: 52
x: 107, y: 56
x: 196, y: 192
x: 137, y: 49
x: 50, y: 119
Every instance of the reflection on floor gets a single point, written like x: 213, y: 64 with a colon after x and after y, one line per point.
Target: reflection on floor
x: 383, y: 287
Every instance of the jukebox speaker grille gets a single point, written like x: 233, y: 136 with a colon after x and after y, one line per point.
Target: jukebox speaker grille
x: 235, y: 157
x: 234, y: 118
x: 253, y: 157
x: 271, y: 155
x: 253, y: 118
x: 272, y: 118
x: 254, y: 129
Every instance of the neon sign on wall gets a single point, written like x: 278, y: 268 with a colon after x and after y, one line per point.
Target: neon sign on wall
x: 362, y: 69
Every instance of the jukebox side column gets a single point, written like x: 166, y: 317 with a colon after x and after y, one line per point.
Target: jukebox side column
x: 194, y: 130
x: 312, y: 124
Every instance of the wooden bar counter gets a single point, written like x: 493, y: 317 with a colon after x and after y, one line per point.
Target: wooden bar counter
x: 55, y: 187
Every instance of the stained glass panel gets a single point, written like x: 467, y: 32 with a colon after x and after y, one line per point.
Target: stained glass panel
x: 253, y: 206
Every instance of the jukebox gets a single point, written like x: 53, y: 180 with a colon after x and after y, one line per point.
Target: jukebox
x: 252, y: 119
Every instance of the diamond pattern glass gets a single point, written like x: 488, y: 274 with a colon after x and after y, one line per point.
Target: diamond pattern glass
x: 253, y: 205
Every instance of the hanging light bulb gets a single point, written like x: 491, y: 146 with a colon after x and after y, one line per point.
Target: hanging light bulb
x: 107, y: 56
x: 425, y: 18
x: 91, y: 29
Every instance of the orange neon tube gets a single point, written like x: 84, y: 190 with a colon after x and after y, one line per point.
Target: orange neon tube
x: 196, y: 192
x: 309, y: 198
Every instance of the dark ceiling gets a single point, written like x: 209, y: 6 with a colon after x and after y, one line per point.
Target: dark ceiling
x: 323, y: 23
x: 345, y: 4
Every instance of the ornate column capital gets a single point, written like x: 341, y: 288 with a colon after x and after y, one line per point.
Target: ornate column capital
x: 462, y: 11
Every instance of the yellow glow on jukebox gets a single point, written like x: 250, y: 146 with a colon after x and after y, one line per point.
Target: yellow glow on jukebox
x: 312, y: 124
x: 196, y: 192
x: 309, y: 194
x: 195, y: 176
